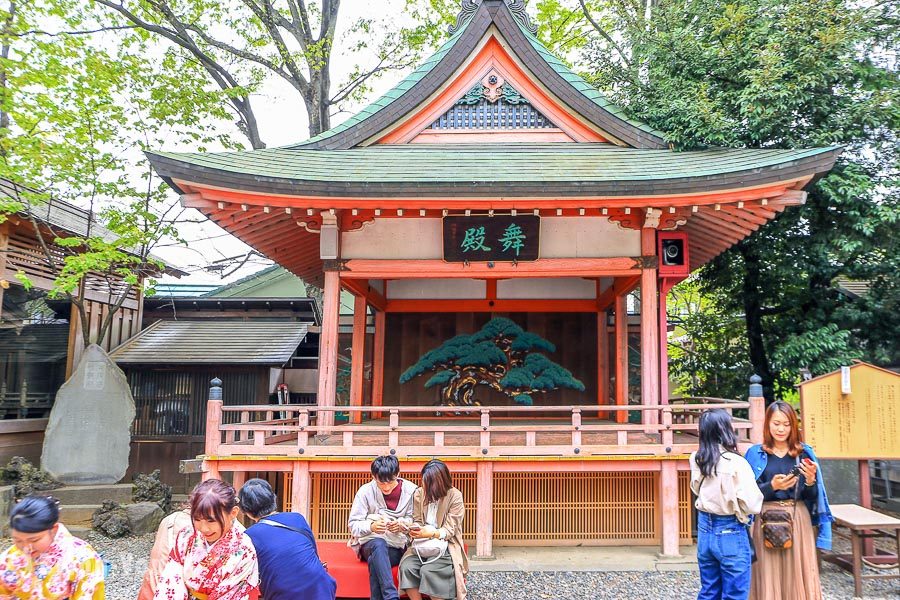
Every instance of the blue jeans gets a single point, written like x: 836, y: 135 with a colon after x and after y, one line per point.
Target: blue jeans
x: 723, y: 554
x: 381, y: 558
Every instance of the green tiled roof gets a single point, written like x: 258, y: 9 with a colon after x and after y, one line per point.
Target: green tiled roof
x: 462, y: 164
x: 396, y: 92
x: 578, y: 83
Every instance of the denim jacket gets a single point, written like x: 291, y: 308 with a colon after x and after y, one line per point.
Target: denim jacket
x: 820, y: 512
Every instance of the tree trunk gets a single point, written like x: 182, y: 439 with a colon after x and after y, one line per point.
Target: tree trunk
x: 751, y: 291
x: 317, y: 104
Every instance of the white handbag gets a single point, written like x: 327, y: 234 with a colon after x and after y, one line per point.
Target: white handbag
x: 429, y: 549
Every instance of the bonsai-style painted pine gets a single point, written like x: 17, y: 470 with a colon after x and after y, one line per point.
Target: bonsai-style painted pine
x: 501, y: 355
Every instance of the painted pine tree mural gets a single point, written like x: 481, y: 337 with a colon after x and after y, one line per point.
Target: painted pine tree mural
x: 502, y: 356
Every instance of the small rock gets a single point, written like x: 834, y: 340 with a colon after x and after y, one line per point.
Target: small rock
x: 143, y: 517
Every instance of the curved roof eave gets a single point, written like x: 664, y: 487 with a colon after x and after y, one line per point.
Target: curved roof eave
x: 427, y: 79
x: 737, y: 168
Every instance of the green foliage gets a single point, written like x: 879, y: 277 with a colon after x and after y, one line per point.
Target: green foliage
x: 501, y: 355
x: 761, y: 73
x: 539, y: 374
x: 26, y: 478
x: 708, y: 349
x: 75, y: 113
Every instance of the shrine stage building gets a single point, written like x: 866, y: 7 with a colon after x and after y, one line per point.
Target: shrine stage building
x: 491, y: 194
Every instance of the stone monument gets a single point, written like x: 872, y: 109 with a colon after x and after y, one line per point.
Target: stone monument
x: 88, y: 438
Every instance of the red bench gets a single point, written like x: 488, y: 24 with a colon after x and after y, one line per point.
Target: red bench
x: 351, y: 574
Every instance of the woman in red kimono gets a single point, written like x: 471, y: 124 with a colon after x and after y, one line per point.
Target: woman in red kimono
x: 215, y: 559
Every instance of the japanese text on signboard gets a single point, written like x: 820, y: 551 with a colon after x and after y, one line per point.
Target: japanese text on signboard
x: 498, y: 238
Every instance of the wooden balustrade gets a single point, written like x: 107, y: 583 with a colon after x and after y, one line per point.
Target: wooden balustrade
x: 477, y: 431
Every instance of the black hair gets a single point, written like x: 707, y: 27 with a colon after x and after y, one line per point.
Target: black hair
x: 34, y: 513
x: 715, y: 430
x: 257, y: 498
x: 386, y: 468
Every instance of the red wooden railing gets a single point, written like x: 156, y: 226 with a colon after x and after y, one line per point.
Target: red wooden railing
x: 291, y: 430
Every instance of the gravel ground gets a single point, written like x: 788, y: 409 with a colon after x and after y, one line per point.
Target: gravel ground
x: 128, y: 557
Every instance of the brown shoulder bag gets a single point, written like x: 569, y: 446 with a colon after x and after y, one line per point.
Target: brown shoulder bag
x: 777, y: 524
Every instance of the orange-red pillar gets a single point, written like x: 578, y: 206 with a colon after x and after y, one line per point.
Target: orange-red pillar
x: 668, y: 494
x: 328, y: 349
x: 357, y: 356
x: 621, y: 356
x: 602, y: 363
x: 649, y: 328
x: 378, y: 362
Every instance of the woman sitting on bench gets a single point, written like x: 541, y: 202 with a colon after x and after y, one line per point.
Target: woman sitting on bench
x: 436, y: 562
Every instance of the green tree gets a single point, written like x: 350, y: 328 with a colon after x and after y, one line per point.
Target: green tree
x: 707, y: 349
x: 795, y: 73
x: 239, y: 43
x: 74, y: 115
x: 502, y: 356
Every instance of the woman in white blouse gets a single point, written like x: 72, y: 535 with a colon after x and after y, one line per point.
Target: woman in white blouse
x: 727, y: 495
x: 436, y: 562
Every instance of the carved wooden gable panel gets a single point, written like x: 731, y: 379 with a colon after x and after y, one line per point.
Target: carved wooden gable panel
x: 492, y: 103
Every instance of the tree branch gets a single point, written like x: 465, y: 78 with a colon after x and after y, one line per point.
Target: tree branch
x: 603, y: 33
x: 83, y: 32
x: 180, y: 36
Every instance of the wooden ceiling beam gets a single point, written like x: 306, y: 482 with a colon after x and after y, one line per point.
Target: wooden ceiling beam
x: 698, y: 235
x: 711, y: 231
x: 306, y: 252
x: 248, y: 219
x: 718, y: 223
x: 745, y: 215
x: 271, y: 229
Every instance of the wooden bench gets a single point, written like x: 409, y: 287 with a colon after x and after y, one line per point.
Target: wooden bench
x: 865, y: 524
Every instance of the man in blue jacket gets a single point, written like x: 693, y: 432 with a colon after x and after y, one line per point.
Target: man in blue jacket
x: 289, y: 565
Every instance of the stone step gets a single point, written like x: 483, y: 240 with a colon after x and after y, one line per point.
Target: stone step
x: 93, y: 494
x: 77, y: 514
x: 79, y: 531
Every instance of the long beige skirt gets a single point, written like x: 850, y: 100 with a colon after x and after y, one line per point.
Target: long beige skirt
x: 791, y: 574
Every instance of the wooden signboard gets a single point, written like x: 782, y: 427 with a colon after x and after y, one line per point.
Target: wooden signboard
x: 862, y: 424
x: 501, y: 238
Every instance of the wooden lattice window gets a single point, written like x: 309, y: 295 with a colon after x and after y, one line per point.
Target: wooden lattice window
x: 604, y: 508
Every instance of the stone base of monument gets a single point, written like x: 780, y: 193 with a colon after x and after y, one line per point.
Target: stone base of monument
x: 77, y: 503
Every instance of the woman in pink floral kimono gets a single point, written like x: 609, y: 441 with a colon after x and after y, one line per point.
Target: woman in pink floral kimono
x: 215, y: 559
x: 47, y: 562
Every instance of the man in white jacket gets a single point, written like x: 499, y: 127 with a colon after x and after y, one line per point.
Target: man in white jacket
x: 379, y: 522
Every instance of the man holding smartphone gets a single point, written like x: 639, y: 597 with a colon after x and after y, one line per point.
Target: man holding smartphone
x: 380, y: 518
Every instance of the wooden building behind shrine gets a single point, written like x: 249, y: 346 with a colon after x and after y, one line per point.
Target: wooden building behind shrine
x: 492, y: 182
x: 40, y: 336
